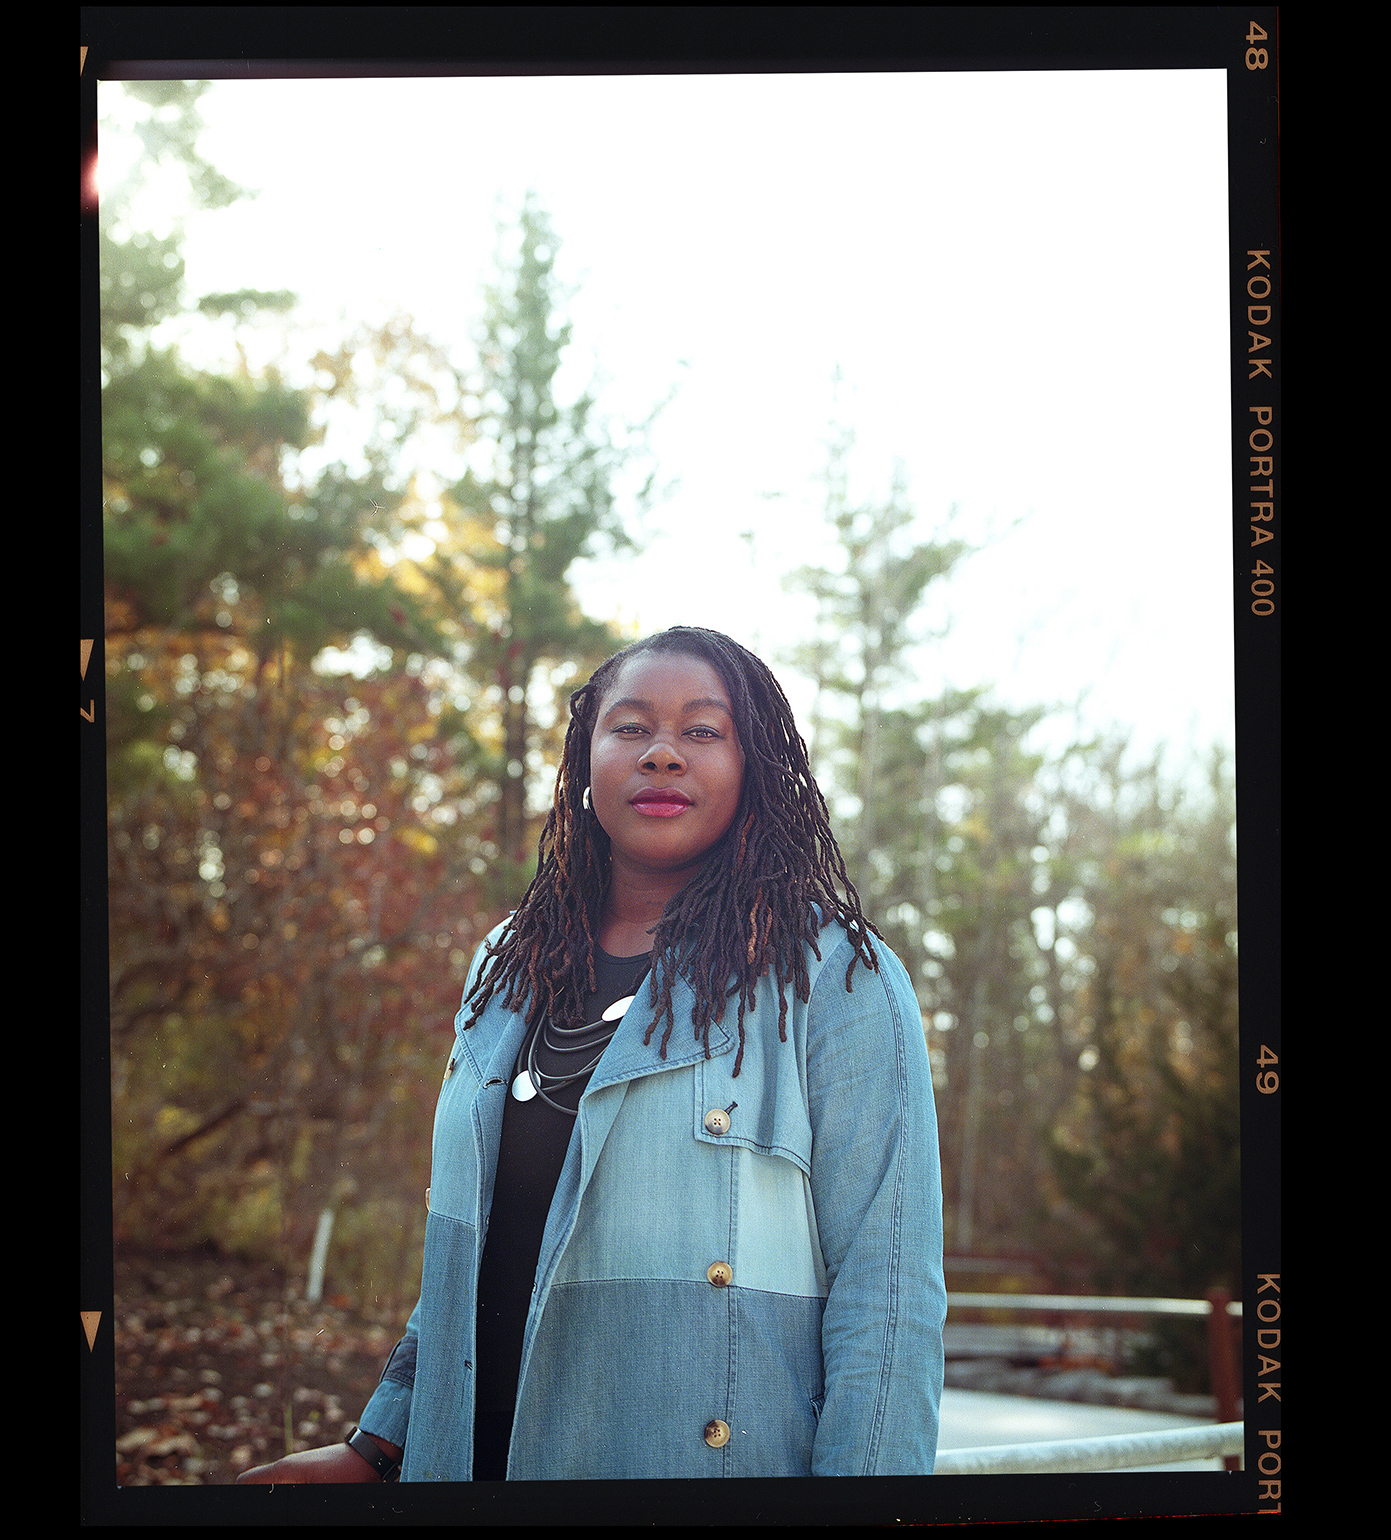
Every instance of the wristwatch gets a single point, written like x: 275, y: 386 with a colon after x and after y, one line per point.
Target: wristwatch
x: 381, y: 1462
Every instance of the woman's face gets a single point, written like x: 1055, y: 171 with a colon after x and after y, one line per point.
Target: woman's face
x: 665, y: 764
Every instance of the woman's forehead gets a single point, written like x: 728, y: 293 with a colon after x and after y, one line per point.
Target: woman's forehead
x: 666, y: 678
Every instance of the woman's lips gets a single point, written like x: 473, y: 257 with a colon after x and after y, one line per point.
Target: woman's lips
x: 660, y: 804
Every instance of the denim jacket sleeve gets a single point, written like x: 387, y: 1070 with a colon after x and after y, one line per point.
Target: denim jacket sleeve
x: 876, y: 1184
x: 388, y: 1411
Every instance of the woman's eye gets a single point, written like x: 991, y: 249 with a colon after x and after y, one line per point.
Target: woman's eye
x: 634, y: 729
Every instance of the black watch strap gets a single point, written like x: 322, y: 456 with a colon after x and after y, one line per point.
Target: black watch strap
x: 381, y: 1462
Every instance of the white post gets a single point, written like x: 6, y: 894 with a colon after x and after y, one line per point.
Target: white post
x: 315, y: 1291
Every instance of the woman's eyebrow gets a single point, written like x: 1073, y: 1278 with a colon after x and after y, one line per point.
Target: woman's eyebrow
x: 632, y: 703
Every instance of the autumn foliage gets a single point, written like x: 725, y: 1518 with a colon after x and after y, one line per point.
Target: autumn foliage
x: 333, y: 700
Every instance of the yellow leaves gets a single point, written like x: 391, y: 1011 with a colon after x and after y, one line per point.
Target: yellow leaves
x: 367, y: 565
x: 335, y: 372
x: 974, y: 824
x: 173, y: 1122
x: 418, y: 840
x: 407, y: 577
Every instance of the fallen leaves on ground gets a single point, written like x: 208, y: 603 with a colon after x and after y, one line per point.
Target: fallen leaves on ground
x: 219, y: 1367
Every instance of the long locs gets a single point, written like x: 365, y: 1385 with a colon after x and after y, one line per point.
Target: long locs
x: 754, y: 909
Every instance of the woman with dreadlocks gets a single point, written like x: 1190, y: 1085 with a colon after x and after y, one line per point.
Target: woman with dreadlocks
x: 685, y: 1212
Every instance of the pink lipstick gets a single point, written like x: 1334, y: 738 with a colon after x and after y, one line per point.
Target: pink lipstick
x: 660, y: 802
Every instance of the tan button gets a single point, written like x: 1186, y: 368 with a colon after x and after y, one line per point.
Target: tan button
x: 717, y: 1121
x: 427, y: 1200
x: 716, y: 1433
x: 721, y: 1274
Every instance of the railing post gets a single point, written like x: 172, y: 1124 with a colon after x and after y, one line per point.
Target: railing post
x: 1222, y: 1361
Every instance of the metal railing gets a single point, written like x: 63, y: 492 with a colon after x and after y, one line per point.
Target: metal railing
x: 1088, y: 1304
x: 1115, y: 1451
x: 1222, y: 1313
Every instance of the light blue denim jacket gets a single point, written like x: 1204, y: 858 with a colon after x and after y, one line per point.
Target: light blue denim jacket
x: 815, y: 1350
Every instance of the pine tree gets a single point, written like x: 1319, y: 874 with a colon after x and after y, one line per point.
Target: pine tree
x: 1146, y: 1155
x: 289, y: 903
x: 546, y: 498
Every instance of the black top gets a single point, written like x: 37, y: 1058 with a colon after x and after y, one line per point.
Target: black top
x: 535, y: 1138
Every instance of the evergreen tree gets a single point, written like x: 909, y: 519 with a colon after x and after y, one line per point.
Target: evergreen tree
x: 1146, y: 1155
x: 1069, y: 926
x: 302, y: 859
x: 546, y: 498
x: 288, y: 897
x: 940, y: 822
x: 864, y: 649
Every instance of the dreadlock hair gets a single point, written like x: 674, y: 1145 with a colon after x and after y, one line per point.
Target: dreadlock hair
x: 758, y: 900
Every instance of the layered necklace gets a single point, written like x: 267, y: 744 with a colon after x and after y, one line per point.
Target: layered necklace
x: 577, y: 1049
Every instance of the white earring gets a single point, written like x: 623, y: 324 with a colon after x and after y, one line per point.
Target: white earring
x: 584, y: 800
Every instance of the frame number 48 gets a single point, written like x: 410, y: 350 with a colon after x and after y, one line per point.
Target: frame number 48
x: 1256, y: 58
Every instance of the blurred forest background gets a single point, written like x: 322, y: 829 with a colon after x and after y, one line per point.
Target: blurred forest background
x: 329, y: 756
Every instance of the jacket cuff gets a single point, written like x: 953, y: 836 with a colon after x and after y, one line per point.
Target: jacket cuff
x: 387, y: 1415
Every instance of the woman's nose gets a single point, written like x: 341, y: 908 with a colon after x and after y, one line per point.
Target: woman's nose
x: 662, y: 756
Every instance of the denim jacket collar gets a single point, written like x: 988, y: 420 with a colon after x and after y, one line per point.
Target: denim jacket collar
x: 627, y: 1056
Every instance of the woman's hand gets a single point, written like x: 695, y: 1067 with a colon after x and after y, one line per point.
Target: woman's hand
x: 336, y: 1464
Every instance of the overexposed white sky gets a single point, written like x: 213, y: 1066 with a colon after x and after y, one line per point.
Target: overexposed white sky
x: 1020, y: 278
